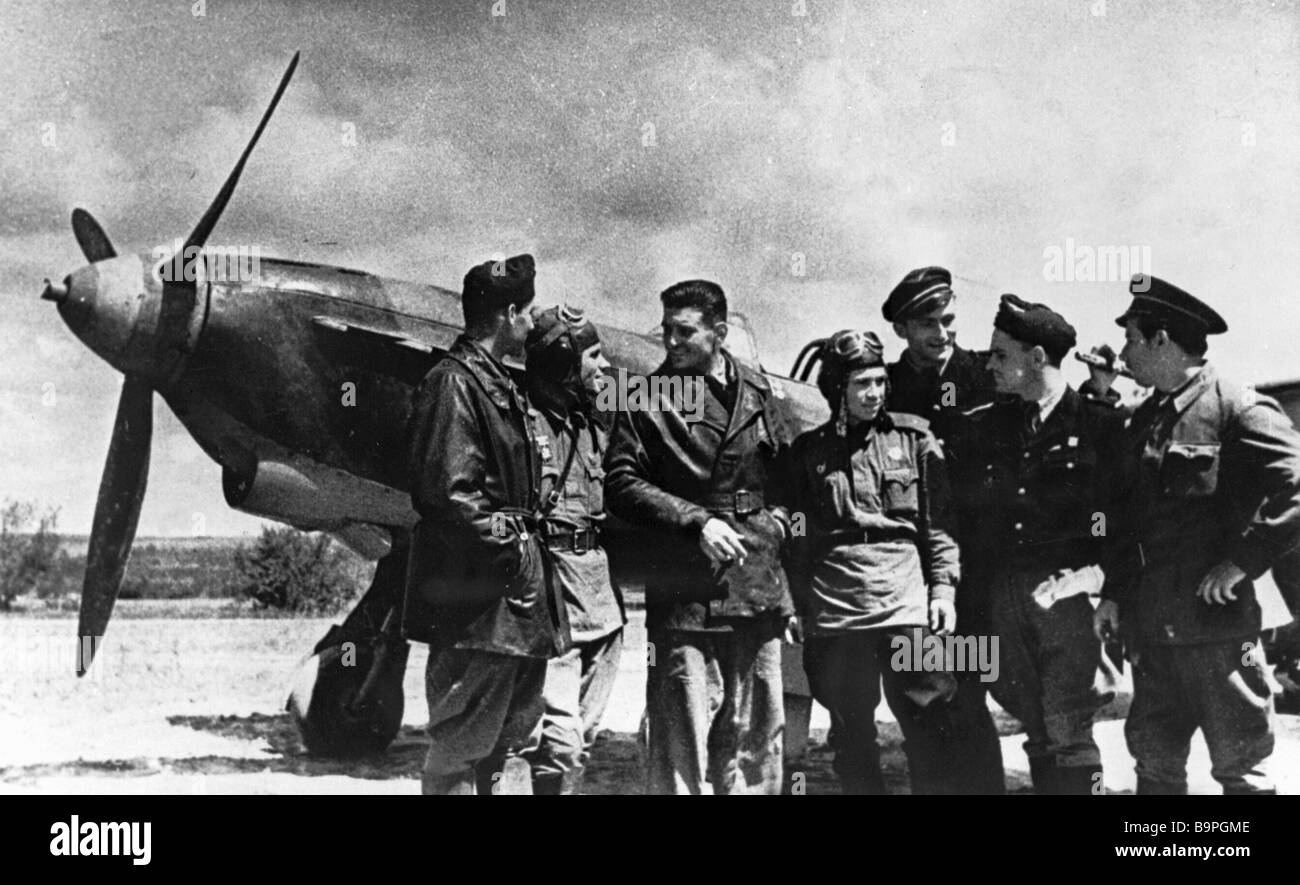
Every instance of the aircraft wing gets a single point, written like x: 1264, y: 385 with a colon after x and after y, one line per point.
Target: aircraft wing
x: 405, y: 355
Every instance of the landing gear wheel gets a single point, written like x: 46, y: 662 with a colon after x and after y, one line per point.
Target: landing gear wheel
x: 326, y: 703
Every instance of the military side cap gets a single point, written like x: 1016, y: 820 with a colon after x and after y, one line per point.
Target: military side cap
x: 495, y: 284
x: 1034, y: 324
x: 921, y: 291
x: 1154, y: 297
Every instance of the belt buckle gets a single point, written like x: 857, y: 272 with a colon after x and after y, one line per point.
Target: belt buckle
x: 580, y: 547
x: 743, y: 502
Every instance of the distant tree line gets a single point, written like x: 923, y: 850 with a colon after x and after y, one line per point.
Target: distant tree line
x: 283, y: 570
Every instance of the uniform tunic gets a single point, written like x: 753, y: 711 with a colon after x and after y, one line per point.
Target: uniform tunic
x: 595, y: 606
x: 1212, y: 474
x: 580, y: 682
x: 878, y: 521
x: 1037, y: 501
x: 875, y: 551
x: 942, y: 396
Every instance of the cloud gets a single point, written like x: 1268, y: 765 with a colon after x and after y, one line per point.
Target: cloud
x: 630, y: 146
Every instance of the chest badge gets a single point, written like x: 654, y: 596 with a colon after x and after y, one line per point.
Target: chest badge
x: 544, y: 447
x: 894, y: 454
x: 1073, y: 442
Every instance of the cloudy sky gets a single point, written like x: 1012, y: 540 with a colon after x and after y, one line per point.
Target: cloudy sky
x: 804, y: 154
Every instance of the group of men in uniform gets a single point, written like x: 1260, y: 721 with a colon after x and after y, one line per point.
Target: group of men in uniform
x: 951, y: 495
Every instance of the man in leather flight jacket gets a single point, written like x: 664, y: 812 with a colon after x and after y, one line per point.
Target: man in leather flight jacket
x: 476, y: 587
x: 717, y: 603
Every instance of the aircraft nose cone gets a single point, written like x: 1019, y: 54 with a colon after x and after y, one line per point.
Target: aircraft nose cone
x: 109, y: 306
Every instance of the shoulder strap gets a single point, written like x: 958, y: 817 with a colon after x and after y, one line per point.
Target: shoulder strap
x: 553, y: 499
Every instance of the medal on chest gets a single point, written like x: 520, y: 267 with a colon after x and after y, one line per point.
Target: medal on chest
x: 544, y: 448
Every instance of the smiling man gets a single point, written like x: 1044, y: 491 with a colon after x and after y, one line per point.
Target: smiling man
x: 1212, y: 482
x: 717, y: 603
x: 1035, y: 484
x: 877, y: 569
x: 566, y: 371
x: 934, y: 378
x: 944, y: 384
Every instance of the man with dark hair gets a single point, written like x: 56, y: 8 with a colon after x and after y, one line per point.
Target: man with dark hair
x: 476, y: 586
x: 1034, y: 479
x: 934, y: 378
x: 702, y: 295
x: 943, y: 383
x: 566, y: 370
x: 875, y: 572
x: 1212, y: 500
x: 717, y: 603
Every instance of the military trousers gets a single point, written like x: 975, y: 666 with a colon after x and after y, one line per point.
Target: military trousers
x: 577, y: 691
x: 714, y: 709
x: 1217, y: 687
x: 845, y: 672
x: 484, y: 711
x: 1048, y: 668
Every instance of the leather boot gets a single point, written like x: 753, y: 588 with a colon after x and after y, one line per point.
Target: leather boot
x: 1079, y: 780
x: 1148, y: 787
x: 504, y: 776
x: 548, y: 783
x: 571, y: 784
x: 448, y: 784
x: 1043, y: 772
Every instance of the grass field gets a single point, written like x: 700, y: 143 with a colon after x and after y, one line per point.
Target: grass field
x: 195, y: 705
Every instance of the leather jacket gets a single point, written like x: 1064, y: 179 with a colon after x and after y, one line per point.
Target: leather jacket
x: 477, y: 578
x: 670, y: 474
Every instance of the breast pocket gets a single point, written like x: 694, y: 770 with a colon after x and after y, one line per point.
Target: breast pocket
x: 899, y: 491
x: 1068, y: 465
x: 595, y: 473
x: 1190, y: 470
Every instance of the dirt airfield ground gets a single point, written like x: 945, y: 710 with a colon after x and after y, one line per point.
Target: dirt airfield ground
x: 195, y: 706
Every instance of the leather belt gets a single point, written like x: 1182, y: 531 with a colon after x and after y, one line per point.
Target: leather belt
x: 741, y: 503
x: 853, y: 537
x: 573, y: 540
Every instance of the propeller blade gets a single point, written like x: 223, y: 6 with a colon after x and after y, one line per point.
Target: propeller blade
x: 199, y: 235
x: 91, y: 237
x: 180, y: 293
x: 121, y: 491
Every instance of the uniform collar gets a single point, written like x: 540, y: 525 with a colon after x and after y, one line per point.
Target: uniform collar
x: 1192, y: 388
x: 491, y: 373
x: 1048, y: 403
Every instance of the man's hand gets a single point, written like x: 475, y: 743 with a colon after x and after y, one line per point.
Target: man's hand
x: 721, y: 544
x: 943, y: 617
x: 1105, y: 621
x: 1217, y: 585
x: 1103, y: 378
x: 794, y: 630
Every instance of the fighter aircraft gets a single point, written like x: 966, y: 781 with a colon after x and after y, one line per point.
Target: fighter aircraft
x: 297, y: 384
